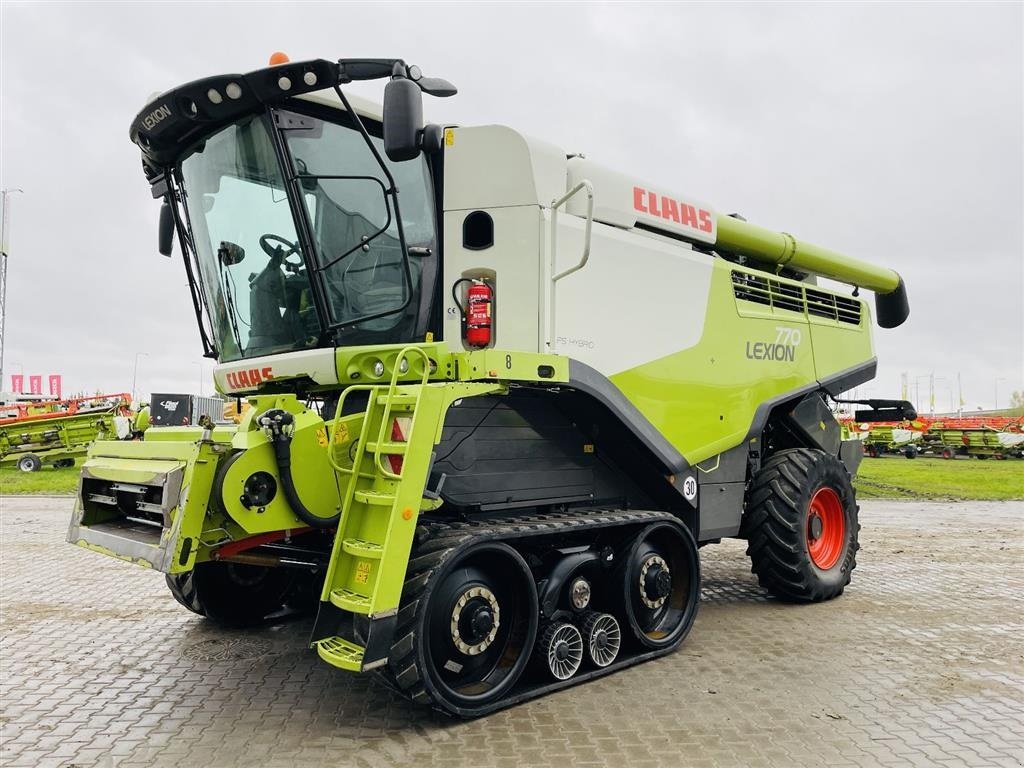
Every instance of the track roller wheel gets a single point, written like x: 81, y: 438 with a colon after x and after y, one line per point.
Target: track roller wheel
x: 601, y: 636
x: 801, y: 525
x: 662, y: 585
x: 466, y: 627
x: 560, y: 650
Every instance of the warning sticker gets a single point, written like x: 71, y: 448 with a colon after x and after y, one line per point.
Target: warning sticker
x: 341, y: 436
x: 321, y: 437
x: 363, y: 571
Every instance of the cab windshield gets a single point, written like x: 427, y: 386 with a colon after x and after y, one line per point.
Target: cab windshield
x: 260, y: 288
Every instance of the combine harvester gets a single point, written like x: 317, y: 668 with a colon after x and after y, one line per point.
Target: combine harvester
x: 59, y: 431
x: 499, y: 392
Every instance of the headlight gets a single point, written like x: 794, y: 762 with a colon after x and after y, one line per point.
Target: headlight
x: 378, y: 368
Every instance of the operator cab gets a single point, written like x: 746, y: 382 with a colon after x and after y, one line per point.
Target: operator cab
x: 288, y: 210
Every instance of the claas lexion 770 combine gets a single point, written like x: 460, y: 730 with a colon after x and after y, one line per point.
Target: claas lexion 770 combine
x: 500, y: 393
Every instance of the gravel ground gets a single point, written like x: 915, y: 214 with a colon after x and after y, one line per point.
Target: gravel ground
x: 921, y: 662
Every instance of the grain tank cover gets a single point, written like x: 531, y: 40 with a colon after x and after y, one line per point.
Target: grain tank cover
x: 623, y: 201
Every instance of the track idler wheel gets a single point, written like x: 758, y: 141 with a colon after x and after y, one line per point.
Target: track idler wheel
x: 601, y: 636
x: 473, y: 631
x: 560, y: 650
x: 661, y: 580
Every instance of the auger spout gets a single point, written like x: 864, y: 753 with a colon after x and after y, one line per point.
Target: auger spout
x: 740, y: 237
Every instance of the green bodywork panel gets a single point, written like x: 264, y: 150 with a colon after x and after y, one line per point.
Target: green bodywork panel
x: 703, y: 399
x: 315, y: 480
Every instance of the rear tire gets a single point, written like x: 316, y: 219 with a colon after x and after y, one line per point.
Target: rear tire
x: 232, y: 594
x: 948, y: 453
x: 910, y: 451
x: 801, y: 525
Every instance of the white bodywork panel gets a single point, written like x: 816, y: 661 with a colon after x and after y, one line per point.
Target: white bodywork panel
x: 637, y: 299
x: 245, y: 375
x: 624, y: 201
x: 1010, y: 439
x: 493, y: 166
x: 904, y: 436
x: 640, y: 297
x: 510, y: 265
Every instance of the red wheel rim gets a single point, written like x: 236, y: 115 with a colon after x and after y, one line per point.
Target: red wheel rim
x: 826, y: 528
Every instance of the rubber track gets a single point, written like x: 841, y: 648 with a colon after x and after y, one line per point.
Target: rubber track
x: 775, y: 526
x: 437, y: 542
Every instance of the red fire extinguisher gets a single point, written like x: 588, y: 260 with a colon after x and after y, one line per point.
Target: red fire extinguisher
x: 476, y: 317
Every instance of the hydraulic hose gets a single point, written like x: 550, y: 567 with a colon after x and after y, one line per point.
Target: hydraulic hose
x: 276, y: 424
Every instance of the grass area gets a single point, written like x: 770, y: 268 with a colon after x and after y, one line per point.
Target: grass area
x: 894, y: 477
x: 46, y: 481
x: 884, y: 478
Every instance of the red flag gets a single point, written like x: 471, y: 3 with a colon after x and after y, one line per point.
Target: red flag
x: 18, y: 383
x: 35, y: 385
x: 55, y: 386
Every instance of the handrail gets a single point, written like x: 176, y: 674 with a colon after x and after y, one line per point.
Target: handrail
x: 584, y: 184
x: 546, y: 327
x: 385, y: 422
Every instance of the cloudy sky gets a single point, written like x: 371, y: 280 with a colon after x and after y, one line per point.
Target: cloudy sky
x: 886, y: 131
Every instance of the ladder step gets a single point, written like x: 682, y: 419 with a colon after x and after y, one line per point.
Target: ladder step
x: 376, y: 497
x: 399, y: 400
x: 362, y: 548
x: 341, y: 653
x: 348, y: 600
x: 387, y: 448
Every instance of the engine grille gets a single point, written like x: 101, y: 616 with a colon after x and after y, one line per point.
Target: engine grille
x: 776, y: 294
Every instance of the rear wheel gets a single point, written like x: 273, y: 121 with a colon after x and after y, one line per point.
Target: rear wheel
x: 948, y: 453
x: 233, y: 594
x: 801, y: 525
x: 910, y: 451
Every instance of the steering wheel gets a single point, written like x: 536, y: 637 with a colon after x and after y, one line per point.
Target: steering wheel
x: 275, y: 251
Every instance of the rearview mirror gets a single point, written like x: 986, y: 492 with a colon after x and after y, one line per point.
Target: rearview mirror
x: 403, y: 119
x: 166, y: 230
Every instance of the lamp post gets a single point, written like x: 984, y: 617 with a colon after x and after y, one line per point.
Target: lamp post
x: 917, y: 391
x: 5, y: 247
x: 135, y: 371
x: 995, y: 406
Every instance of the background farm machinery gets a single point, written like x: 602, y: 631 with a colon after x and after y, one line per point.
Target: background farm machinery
x: 59, y: 431
x: 999, y: 437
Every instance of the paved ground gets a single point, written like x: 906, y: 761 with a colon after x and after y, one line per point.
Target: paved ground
x: 921, y: 662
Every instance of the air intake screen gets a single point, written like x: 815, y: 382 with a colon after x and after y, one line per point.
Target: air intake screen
x: 795, y: 298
